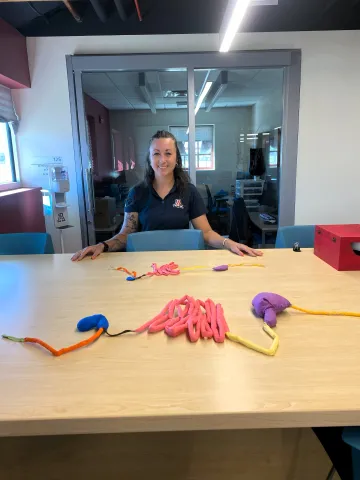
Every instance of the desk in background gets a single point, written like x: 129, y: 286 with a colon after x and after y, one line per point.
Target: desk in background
x: 266, y: 228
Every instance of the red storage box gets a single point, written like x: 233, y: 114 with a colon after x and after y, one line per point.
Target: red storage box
x: 335, y: 245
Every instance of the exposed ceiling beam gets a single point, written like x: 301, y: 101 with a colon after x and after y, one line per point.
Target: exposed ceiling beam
x: 138, y: 9
x: 146, y: 93
x: 72, y: 10
x: 121, y: 9
x: 67, y: 4
x: 219, y: 87
x: 99, y: 10
x: 22, y: 1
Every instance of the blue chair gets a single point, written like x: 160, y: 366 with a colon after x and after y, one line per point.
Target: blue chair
x: 25, y: 243
x: 287, y: 236
x: 165, y: 240
x: 351, y: 436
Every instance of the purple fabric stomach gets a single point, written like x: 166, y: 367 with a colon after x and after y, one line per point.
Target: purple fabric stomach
x: 268, y: 305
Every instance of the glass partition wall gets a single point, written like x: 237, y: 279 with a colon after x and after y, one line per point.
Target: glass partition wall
x: 232, y: 121
x: 238, y: 122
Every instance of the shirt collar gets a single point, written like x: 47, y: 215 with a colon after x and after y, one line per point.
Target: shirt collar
x: 154, y: 192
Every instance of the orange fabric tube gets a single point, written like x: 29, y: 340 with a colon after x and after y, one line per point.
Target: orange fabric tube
x: 71, y: 348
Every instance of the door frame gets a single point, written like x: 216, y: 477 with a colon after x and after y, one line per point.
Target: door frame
x: 290, y: 60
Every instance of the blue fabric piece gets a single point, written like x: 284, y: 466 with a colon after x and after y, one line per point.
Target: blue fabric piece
x: 93, y: 321
x: 130, y: 279
x: 103, y: 323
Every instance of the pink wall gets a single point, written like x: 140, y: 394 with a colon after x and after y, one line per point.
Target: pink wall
x: 103, y: 161
x: 14, y: 67
x: 21, y: 211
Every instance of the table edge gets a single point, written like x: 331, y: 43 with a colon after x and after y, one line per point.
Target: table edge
x: 199, y: 422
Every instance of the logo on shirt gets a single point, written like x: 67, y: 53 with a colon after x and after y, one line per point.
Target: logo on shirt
x: 178, y: 203
x: 129, y: 202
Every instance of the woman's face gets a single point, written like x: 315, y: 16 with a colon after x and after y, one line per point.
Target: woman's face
x: 163, y: 156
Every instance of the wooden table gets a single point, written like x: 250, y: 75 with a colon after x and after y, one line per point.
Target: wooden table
x: 149, y: 383
x: 264, y: 227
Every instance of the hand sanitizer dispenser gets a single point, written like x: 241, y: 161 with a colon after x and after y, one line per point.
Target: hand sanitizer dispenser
x: 59, y: 185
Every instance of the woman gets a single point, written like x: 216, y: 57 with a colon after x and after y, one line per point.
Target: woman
x: 166, y: 200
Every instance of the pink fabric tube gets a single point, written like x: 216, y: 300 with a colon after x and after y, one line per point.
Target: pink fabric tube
x: 172, y: 308
x: 193, y: 326
x: 213, y: 322
x: 198, y: 318
x: 158, y: 325
x: 206, y: 331
x: 176, y: 330
x: 220, y: 323
x: 143, y: 327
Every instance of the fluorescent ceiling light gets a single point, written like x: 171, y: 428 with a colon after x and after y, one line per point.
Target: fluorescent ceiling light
x: 233, y: 17
x: 266, y: 134
x: 277, y: 128
x: 202, y: 96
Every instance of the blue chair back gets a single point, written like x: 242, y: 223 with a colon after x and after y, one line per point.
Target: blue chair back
x: 165, y: 240
x: 25, y: 243
x: 287, y: 236
x: 351, y: 436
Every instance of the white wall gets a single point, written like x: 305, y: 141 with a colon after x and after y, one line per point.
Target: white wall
x: 268, y: 112
x: 328, y: 171
x: 140, y: 125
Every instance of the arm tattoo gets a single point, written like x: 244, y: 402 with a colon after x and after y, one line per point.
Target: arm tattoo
x: 130, y: 225
x: 117, y: 244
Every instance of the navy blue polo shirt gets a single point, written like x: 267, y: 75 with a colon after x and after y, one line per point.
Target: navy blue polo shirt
x: 174, y: 212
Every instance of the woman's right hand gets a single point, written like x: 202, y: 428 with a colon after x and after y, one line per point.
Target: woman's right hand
x: 93, y: 250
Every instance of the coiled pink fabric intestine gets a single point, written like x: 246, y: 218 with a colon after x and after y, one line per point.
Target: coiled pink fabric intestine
x: 167, y: 269
x: 199, y: 319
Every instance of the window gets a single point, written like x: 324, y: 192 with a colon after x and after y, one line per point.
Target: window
x: 7, y: 164
x: 204, y: 146
x: 274, y: 147
x: 273, y: 157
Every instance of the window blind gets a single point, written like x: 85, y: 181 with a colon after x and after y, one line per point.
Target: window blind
x: 7, y: 110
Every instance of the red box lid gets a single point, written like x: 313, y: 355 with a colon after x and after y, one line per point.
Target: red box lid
x: 344, y: 231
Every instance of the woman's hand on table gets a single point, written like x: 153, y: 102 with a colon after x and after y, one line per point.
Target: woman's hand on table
x: 240, y: 249
x: 93, y: 250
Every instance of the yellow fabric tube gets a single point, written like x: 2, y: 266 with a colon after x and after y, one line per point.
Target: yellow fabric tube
x: 325, y: 312
x: 253, y: 346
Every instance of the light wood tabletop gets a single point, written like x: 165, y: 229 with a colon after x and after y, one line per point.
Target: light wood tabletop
x: 151, y: 382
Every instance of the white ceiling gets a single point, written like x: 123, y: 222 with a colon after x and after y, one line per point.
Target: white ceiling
x: 120, y: 90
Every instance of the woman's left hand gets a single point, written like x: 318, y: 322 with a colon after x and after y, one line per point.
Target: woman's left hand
x: 240, y: 249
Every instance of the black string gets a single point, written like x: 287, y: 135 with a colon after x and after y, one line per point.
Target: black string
x: 141, y: 276
x: 118, y: 334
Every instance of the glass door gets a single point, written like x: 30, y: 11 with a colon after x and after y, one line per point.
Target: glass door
x: 238, y: 123
x: 122, y: 111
